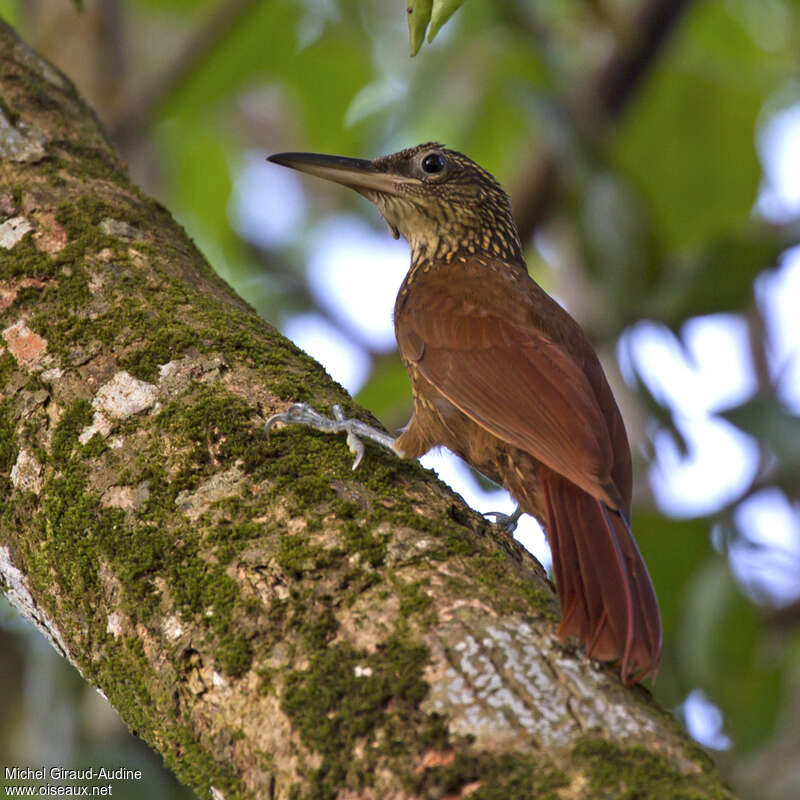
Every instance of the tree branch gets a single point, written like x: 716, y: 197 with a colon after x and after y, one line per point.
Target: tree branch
x: 270, y: 622
x: 141, y: 110
x: 600, y: 102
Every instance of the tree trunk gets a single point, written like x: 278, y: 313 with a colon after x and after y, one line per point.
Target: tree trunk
x: 272, y: 623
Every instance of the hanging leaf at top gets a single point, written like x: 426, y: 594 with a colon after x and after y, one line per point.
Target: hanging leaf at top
x: 442, y: 11
x: 419, y: 15
x: 422, y: 12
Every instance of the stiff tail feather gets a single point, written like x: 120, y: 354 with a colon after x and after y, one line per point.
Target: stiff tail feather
x: 607, y: 598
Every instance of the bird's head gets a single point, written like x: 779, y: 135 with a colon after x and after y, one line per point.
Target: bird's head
x: 438, y: 199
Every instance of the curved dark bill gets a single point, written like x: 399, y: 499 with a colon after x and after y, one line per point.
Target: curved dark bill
x: 357, y: 173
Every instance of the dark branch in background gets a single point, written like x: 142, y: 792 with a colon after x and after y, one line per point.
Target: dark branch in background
x: 622, y: 74
x: 210, y: 34
x: 758, y: 336
x: 601, y: 101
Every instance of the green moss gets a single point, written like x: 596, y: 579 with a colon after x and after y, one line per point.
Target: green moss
x: 228, y: 539
x: 23, y: 259
x: 189, y: 759
x: 166, y: 342
x: 95, y: 447
x: 297, y: 557
x: 210, y: 428
x: 210, y: 418
x: 81, y: 220
x: 93, y: 162
x: 8, y: 366
x: 317, y: 623
x: 266, y: 676
x: 65, y: 437
x: 8, y: 446
x: 233, y: 654
x: 635, y: 773
x: 79, y: 535
x: 121, y: 671
x: 9, y: 113
x: 74, y: 531
x: 511, y: 593
x: 344, y: 697
x: 28, y: 297
x: 359, y: 538
x: 504, y: 776
x: 41, y: 93
x: 32, y: 427
x: 414, y: 600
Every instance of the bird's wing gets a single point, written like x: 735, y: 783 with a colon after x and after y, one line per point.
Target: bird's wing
x: 481, y: 345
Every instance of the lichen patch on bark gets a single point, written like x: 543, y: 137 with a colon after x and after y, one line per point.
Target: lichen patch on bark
x: 26, y: 474
x: 12, y: 231
x: 25, y: 345
x: 50, y: 236
x: 124, y: 396
x: 20, y: 142
x: 507, y: 681
x: 121, y: 229
x: 217, y: 487
x: 126, y: 497
x: 33, y: 61
x: 99, y: 425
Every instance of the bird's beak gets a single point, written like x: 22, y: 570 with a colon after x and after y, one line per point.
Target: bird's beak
x: 357, y: 173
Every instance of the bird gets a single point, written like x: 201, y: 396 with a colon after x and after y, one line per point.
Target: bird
x: 506, y: 379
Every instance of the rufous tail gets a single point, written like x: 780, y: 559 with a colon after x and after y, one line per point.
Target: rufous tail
x: 607, y: 598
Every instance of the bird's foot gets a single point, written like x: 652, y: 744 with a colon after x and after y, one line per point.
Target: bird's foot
x: 303, y: 414
x: 508, y: 522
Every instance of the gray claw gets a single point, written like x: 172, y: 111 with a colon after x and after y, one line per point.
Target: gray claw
x: 508, y: 522
x: 304, y: 414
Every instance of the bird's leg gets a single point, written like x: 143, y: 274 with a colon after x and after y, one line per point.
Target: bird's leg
x: 303, y: 414
x: 508, y: 522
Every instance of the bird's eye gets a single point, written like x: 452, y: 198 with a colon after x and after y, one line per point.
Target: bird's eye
x: 433, y: 163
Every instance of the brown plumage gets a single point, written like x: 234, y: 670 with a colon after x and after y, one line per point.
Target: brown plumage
x: 506, y: 379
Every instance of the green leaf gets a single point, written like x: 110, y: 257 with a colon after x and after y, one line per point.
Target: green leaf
x: 717, y: 277
x: 314, y: 97
x: 765, y: 418
x: 198, y: 173
x: 419, y: 14
x: 387, y: 393
x: 10, y: 12
x: 722, y: 652
x: 623, y: 255
x: 374, y: 97
x: 173, y: 6
x: 442, y: 11
x: 673, y: 549
x: 687, y: 140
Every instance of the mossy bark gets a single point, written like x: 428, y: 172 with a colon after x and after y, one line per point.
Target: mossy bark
x: 274, y: 624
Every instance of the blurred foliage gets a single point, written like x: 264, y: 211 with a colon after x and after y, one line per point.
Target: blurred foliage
x: 654, y: 218
x: 721, y: 650
x: 769, y: 421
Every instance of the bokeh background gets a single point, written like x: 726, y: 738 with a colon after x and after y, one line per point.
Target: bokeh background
x: 669, y: 232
